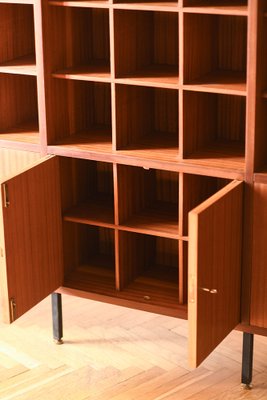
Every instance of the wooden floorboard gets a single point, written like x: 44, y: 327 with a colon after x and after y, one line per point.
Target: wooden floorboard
x: 113, y: 353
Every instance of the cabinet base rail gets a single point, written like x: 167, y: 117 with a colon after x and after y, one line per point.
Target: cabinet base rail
x: 247, y: 353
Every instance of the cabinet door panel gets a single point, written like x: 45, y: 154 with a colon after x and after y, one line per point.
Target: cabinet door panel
x: 258, y: 316
x: 31, y: 237
x: 215, y: 237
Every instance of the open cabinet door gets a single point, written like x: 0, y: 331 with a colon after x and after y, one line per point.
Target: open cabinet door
x: 30, y: 238
x: 215, y: 238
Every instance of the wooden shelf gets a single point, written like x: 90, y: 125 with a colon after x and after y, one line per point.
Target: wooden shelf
x: 27, y: 133
x: 98, y: 72
x: 97, y: 276
x: 157, y: 146
x: 97, y: 140
x: 24, y: 65
x: 97, y: 211
x: 225, y: 82
x: 162, y: 76
x: 80, y: 3
x: 160, y: 219
x: 147, y: 5
x: 230, y: 7
x: 222, y: 155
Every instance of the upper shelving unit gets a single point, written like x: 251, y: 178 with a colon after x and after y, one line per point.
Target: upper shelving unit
x: 215, y: 53
x: 146, y: 48
x: 80, y: 44
x: 17, y: 45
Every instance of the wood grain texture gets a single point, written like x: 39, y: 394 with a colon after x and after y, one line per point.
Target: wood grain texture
x: 33, y: 241
x: 215, y: 240
x: 258, y: 316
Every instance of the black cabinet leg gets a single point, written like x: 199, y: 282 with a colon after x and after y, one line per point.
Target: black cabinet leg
x: 57, y: 318
x: 247, y: 359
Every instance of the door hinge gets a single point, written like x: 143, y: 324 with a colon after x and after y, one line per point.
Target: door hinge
x: 13, y: 309
x: 5, y: 196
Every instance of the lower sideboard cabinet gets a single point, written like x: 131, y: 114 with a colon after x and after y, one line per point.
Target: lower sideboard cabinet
x: 121, y: 234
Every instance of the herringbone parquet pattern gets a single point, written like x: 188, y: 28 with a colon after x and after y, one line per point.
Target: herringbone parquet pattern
x: 112, y: 353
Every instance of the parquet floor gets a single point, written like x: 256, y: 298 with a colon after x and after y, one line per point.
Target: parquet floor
x: 113, y: 353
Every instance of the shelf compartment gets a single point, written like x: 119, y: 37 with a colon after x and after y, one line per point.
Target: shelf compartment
x: 80, y: 43
x: 89, y: 258
x: 224, y: 7
x: 148, y: 269
x: 215, y: 54
x: 17, y: 46
x: 83, y: 112
x: 87, y: 191
x: 148, y: 126
x: 146, y: 47
x: 150, y: 203
x: 18, y: 108
x: 214, y: 129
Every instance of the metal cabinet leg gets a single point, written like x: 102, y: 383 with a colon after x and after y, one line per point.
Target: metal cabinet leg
x: 57, y: 318
x: 247, y: 359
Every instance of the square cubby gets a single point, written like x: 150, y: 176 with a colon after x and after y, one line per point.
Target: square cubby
x: 214, y: 129
x: 83, y: 112
x: 149, y: 268
x: 148, y: 200
x: 17, y: 44
x: 215, y: 51
x: 87, y: 191
x: 18, y: 108
x: 79, y: 42
x: 148, y: 126
x: 146, y: 47
x: 89, y: 257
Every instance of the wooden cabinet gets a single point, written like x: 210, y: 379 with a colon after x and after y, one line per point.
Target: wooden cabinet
x: 130, y: 135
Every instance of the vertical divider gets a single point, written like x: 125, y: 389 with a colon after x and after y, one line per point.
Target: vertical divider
x: 40, y: 7
x: 117, y: 233
x: 112, y: 74
x: 181, y: 82
x: 252, y: 86
x: 182, y: 268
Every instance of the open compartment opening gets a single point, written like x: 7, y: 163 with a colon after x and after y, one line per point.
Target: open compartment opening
x: 148, y: 200
x: 149, y: 125
x: 146, y: 47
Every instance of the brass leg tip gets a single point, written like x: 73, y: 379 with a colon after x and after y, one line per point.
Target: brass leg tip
x: 58, y: 341
x: 247, y: 386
